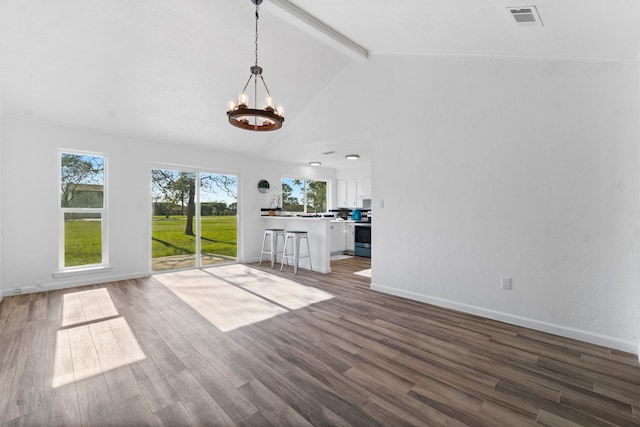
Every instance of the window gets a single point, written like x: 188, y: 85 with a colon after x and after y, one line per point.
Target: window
x: 82, y: 210
x: 300, y: 195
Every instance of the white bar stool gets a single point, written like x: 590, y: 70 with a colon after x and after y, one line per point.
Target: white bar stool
x: 271, y: 248
x: 295, y: 257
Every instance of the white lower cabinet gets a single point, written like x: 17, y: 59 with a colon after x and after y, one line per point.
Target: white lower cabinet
x: 350, y: 237
x: 337, y: 243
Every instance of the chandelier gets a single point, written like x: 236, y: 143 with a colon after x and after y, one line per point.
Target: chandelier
x: 241, y: 114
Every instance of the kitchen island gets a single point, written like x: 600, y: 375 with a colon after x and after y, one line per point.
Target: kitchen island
x: 318, y: 229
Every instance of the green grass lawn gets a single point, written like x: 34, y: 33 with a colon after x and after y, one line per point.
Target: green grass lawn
x: 219, y: 236
x: 83, y: 244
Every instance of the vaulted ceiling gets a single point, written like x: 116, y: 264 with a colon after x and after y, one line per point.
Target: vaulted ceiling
x: 165, y: 69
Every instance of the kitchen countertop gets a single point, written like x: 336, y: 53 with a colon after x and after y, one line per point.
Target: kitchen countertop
x: 299, y: 217
x: 331, y: 219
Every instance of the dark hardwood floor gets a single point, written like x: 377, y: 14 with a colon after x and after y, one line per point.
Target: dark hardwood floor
x: 133, y: 353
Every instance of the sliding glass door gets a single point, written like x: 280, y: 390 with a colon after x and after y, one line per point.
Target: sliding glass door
x: 218, y: 219
x: 194, y: 220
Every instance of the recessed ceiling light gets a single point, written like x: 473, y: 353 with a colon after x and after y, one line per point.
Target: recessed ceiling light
x: 352, y: 157
x: 314, y: 163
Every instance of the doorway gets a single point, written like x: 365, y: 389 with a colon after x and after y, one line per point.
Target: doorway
x: 194, y: 219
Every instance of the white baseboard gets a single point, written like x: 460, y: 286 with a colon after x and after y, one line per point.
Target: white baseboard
x: 564, y: 331
x: 74, y: 283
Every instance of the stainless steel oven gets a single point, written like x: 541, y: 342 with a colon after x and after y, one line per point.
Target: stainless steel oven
x: 363, y: 240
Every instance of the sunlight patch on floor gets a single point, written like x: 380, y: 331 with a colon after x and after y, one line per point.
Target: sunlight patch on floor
x: 95, y: 347
x: 340, y: 257
x: 365, y: 273
x: 86, y: 306
x: 284, y: 292
x: 236, y: 295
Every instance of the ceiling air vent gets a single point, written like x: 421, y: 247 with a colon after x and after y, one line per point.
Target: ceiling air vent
x: 525, y: 15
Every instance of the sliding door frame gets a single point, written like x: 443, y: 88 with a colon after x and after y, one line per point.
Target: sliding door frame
x: 197, y: 217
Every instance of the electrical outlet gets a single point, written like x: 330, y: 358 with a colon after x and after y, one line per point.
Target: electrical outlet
x: 505, y: 283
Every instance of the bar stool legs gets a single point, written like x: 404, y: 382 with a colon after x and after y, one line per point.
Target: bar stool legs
x: 295, y: 236
x: 271, y: 249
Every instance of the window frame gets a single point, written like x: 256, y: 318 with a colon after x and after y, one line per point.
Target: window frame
x: 305, y: 189
x: 104, y: 222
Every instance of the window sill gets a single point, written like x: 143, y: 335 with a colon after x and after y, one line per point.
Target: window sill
x: 82, y: 271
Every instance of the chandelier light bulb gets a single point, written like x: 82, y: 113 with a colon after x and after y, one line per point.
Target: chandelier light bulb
x: 232, y: 105
x: 243, y: 99
x: 280, y: 110
x: 269, y: 101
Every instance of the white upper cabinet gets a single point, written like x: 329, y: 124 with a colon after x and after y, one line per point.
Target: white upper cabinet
x: 347, y: 193
x: 352, y: 193
x: 352, y: 186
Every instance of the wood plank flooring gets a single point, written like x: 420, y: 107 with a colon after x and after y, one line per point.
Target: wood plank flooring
x: 133, y: 353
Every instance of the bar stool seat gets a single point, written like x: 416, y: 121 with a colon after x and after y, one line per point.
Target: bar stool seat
x: 295, y: 257
x: 270, y: 244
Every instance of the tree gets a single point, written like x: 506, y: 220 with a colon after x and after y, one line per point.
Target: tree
x: 289, y: 202
x: 316, y: 196
x: 213, y: 208
x: 313, y: 194
x: 80, y: 170
x: 180, y: 188
x: 177, y: 188
x: 191, y: 207
x: 165, y: 208
x: 225, y: 183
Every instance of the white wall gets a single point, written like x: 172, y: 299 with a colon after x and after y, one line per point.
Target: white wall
x: 355, y: 172
x: 512, y: 167
x: 30, y: 198
x: 1, y: 149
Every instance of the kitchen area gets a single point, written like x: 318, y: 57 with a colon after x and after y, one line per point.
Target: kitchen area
x: 353, y: 198
x: 340, y: 232
x: 351, y: 232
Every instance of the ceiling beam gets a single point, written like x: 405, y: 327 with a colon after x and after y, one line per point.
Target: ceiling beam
x: 313, y: 26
